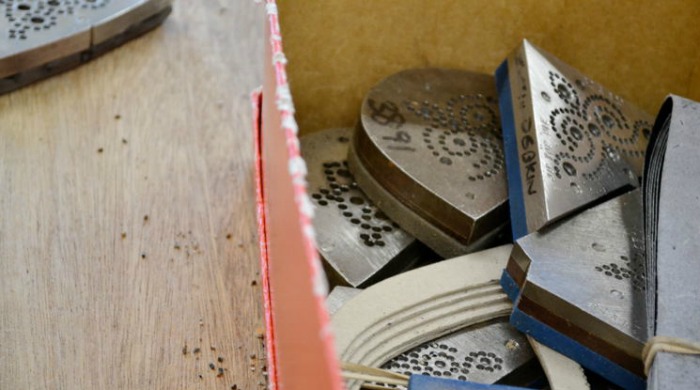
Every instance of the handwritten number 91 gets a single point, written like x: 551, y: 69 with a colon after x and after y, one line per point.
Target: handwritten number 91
x: 400, y: 136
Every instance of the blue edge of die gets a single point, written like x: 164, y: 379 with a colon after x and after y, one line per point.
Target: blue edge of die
x: 511, y: 288
x: 565, y: 345
x: 510, y: 148
x: 521, y: 321
x: 424, y: 382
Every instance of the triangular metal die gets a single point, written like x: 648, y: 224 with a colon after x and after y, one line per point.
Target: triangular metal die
x: 569, y: 142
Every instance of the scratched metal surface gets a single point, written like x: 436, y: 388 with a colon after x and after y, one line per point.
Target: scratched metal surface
x: 356, y: 240
x: 576, y: 141
x: 484, y: 354
x: 36, y: 32
x: 436, y: 133
x: 594, y: 263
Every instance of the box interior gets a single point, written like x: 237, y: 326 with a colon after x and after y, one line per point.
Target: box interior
x: 338, y: 49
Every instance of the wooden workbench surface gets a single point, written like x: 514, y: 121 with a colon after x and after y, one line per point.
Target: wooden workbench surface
x: 127, y: 220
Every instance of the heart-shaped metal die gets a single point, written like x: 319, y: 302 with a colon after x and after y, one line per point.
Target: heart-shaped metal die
x: 428, y: 151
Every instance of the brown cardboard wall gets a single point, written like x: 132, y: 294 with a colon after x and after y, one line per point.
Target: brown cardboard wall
x: 338, y: 49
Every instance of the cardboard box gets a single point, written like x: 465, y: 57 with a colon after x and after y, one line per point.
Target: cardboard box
x: 335, y: 50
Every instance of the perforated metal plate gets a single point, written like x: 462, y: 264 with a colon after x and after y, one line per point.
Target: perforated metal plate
x: 490, y: 353
x: 569, y: 141
x: 493, y: 353
x: 358, y: 242
x: 584, y: 278
x: 429, y: 147
x: 43, y: 37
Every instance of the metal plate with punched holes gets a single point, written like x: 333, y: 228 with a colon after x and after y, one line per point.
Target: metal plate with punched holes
x: 415, y: 307
x: 582, y: 288
x: 357, y: 241
x: 428, y: 151
x: 489, y: 353
x: 40, y: 38
x: 569, y: 142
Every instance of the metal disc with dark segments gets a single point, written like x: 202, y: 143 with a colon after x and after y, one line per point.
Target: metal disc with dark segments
x: 47, y: 37
x: 360, y: 245
x: 428, y: 150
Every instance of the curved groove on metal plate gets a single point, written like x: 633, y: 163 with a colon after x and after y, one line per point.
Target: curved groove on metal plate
x: 43, y: 37
x: 431, y: 139
x: 569, y: 142
x: 605, y: 316
x: 489, y: 353
x: 671, y: 190
x: 415, y: 307
x: 357, y: 241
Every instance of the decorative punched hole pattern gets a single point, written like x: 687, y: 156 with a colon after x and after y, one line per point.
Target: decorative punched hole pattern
x: 644, y: 128
x: 466, y: 127
x: 343, y: 193
x: 591, y: 129
x: 564, y: 89
x: 487, y: 361
x: 25, y: 16
x: 442, y: 360
x: 626, y: 270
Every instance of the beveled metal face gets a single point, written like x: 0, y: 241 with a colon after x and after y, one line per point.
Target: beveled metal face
x: 570, y: 142
x: 37, y: 32
x: 431, y: 138
x: 357, y: 241
x: 586, y: 276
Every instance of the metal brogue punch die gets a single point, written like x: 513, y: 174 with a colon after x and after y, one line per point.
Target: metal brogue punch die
x: 579, y: 288
x: 41, y: 38
x: 490, y: 353
x: 428, y: 151
x: 357, y: 241
x: 569, y: 142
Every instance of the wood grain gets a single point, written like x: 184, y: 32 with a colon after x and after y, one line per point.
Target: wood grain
x: 127, y: 220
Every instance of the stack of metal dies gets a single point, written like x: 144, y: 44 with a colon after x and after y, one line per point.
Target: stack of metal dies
x: 574, y: 153
x: 528, y: 183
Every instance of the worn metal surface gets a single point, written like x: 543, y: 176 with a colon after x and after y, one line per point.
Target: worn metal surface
x: 569, y: 141
x: 585, y: 278
x: 431, y: 139
x: 46, y: 37
x: 671, y: 190
x: 357, y: 241
x: 489, y: 353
